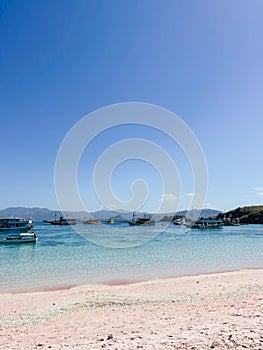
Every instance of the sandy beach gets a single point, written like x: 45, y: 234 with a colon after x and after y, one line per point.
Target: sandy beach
x: 217, y: 311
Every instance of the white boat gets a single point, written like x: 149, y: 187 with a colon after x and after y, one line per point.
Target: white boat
x: 15, y: 224
x: 110, y: 221
x: 20, y: 238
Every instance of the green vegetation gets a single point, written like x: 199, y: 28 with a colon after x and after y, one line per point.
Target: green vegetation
x: 246, y: 215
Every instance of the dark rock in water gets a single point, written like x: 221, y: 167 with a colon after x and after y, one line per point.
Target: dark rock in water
x: 109, y: 337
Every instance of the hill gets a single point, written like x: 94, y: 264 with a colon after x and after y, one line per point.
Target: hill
x: 39, y: 214
x: 36, y: 213
x: 205, y: 213
x: 247, y: 215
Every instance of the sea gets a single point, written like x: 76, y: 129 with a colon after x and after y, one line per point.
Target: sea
x: 66, y: 256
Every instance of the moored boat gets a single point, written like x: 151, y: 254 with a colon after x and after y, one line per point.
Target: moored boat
x: 179, y: 222
x: 231, y: 221
x: 62, y: 221
x: 205, y: 223
x: 29, y: 237
x: 110, y: 221
x: 91, y: 222
x: 146, y: 220
x: 15, y: 224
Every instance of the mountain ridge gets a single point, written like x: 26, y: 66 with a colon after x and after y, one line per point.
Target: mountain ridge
x: 40, y: 214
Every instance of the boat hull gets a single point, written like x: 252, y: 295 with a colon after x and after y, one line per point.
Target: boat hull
x: 145, y: 223
x: 18, y: 241
x: 63, y: 223
x: 15, y: 229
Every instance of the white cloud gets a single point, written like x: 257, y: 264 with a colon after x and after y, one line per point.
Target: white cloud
x: 168, y: 197
x: 207, y: 205
x: 113, y: 206
x: 258, y: 190
x: 190, y: 194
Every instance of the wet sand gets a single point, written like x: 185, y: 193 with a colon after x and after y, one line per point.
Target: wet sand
x: 214, y: 311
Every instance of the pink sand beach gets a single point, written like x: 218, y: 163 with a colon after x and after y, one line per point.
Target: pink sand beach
x: 216, y: 311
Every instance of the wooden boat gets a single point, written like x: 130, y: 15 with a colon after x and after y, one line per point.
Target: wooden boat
x: 20, y: 238
x: 62, y: 221
x: 91, y: 222
x: 146, y: 220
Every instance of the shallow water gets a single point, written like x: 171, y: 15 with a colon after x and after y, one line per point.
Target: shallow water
x: 62, y: 257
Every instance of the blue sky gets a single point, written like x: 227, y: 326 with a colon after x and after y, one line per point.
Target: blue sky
x: 60, y: 60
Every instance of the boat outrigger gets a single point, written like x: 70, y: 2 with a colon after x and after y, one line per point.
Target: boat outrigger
x: 20, y: 238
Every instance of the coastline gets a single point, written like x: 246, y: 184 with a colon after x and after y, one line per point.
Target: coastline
x: 115, y: 282
x: 217, y: 310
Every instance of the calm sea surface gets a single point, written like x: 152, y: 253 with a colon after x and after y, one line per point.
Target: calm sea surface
x: 62, y: 257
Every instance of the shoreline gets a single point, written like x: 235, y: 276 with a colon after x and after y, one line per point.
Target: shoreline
x: 209, y: 311
x: 119, y: 283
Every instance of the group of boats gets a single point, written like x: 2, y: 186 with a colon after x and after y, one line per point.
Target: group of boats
x: 147, y: 220
x: 18, y: 228
x: 135, y: 221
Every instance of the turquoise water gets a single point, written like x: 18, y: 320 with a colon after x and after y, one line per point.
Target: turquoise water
x: 61, y: 257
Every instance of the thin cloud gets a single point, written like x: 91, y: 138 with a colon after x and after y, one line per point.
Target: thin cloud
x: 113, y: 206
x: 190, y: 194
x: 168, y: 197
x: 258, y: 190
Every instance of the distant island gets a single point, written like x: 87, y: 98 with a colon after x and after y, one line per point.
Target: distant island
x: 246, y: 215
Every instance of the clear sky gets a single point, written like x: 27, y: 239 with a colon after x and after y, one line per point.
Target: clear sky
x: 60, y: 60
